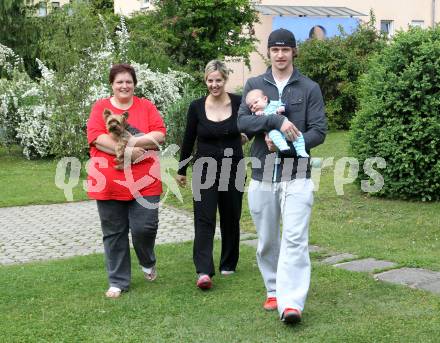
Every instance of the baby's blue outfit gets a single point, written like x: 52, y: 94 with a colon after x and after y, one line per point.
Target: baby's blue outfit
x: 278, y: 138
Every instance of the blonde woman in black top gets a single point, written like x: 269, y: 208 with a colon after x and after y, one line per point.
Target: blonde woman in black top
x: 212, y: 120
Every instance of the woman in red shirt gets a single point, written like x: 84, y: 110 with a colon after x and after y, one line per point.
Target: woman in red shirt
x: 128, y: 198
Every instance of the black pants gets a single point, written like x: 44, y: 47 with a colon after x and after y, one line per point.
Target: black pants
x: 229, y: 204
x: 117, y: 217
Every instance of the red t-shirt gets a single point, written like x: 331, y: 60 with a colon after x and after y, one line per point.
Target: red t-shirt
x: 104, y: 181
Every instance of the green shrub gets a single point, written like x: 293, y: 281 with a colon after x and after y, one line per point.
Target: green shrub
x: 399, y: 116
x: 149, y: 42
x: 336, y: 64
x: 66, y: 33
x: 176, y: 113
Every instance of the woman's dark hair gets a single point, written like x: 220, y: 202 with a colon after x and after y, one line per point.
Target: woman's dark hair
x: 122, y: 68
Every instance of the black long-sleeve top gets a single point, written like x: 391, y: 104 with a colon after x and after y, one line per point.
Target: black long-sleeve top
x: 212, y: 137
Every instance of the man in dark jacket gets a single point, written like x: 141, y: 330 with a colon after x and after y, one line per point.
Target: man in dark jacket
x: 281, y: 188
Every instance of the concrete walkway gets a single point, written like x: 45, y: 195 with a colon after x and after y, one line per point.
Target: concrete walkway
x: 385, y: 271
x: 43, y: 232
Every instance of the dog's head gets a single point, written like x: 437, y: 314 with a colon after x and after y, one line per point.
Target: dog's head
x: 115, y: 123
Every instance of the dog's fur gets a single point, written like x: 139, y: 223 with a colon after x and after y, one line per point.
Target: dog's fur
x: 117, y: 128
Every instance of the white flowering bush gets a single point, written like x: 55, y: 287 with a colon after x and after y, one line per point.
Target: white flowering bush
x: 162, y: 89
x: 33, y: 130
x: 15, y: 92
x: 9, y: 61
x: 48, y: 116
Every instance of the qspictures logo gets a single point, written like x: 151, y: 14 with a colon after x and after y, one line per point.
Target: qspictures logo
x: 165, y: 164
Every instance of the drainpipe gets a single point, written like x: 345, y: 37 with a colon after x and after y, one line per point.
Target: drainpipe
x: 433, y: 13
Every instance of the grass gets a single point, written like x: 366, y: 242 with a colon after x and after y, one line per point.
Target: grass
x: 24, y: 182
x: 402, y: 231
x: 62, y: 301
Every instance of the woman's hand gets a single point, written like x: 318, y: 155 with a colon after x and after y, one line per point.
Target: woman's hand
x: 135, y: 153
x: 181, y: 180
x: 149, y: 141
x: 244, y: 139
x: 269, y: 143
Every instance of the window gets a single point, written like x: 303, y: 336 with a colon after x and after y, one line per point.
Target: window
x: 55, y: 4
x: 386, y: 26
x: 42, y: 9
x: 145, y: 4
x: 418, y: 23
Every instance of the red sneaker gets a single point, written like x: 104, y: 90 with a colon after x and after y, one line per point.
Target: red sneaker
x: 270, y: 304
x: 291, y: 316
x: 204, y: 282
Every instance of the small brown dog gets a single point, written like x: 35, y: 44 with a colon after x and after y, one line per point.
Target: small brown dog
x: 117, y: 128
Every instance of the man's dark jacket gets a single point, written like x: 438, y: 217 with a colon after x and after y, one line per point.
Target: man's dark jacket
x: 304, y: 108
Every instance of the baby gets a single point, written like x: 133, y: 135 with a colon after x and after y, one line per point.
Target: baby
x: 258, y: 103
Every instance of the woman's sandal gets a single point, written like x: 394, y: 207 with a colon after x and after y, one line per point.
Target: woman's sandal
x: 113, y: 292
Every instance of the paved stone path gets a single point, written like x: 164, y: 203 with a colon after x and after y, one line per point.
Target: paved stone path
x: 418, y: 278
x: 43, y: 232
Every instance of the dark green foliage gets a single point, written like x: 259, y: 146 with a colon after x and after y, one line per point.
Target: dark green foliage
x: 175, y: 118
x: 149, y: 42
x: 202, y: 30
x: 66, y: 33
x: 399, y: 116
x: 19, y: 31
x: 336, y: 64
x: 102, y: 6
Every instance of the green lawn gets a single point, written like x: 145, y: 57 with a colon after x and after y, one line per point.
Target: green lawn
x: 402, y: 231
x: 24, y: 182
x: 62, y: 301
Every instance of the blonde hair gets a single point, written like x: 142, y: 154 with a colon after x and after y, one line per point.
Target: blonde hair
x: 216, y: 65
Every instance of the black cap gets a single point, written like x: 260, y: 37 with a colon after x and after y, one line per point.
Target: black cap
x: 281, y: 37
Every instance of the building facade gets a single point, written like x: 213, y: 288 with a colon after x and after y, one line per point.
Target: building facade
x: 44, y: 7
x: 391, y: 15
x: 127, y: 7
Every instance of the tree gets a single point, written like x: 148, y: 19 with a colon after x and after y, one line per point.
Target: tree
x: 19, y: 31
x: 206, y: 29
x: 66, y: 33
x: 336, y: 64
x: 102, y: 6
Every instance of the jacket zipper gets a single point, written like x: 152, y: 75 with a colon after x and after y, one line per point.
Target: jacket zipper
x: 277, y: 158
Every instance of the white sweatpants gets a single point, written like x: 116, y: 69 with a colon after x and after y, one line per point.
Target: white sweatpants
x: 283, y: 260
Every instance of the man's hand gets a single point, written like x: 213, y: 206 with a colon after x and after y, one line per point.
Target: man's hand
x: 181, y: 180
x: 259, y: 113
x: 269, y: 143
x: 289, y: 130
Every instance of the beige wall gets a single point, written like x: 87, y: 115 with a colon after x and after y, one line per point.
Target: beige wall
x: 240, y: 73
x: 127, y: 7
x: 401, y: 12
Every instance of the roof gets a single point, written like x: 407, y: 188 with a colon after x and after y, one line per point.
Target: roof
x: 307, y: 11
